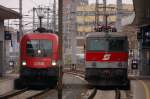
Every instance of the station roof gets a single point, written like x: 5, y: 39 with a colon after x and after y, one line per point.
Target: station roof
x: 6, y: 13
x: 142, y: 11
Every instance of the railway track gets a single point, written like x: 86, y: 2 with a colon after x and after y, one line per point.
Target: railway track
x: 13, y: 93
x: 80, y: 73
x: 39, y: 94
x: 92, y: 95
x: 25, y: 93
x: 29, y: 94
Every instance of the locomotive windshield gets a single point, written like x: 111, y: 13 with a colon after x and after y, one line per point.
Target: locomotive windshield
x: 103, y: 44
x: 39, y: 48
x: 96, y: 44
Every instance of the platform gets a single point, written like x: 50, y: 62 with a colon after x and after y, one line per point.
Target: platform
x: 7, y: 83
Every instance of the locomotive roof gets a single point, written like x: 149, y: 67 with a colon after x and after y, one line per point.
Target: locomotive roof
x: 39, y: 35
x: 103, y: 34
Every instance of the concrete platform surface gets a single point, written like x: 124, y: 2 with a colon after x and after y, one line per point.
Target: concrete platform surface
x: 7, y: 83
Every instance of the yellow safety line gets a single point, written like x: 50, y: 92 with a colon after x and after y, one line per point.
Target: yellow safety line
x: 145, y: 89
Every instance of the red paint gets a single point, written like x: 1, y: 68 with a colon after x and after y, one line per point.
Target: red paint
x: 112, y: 56
x: 32, y: 62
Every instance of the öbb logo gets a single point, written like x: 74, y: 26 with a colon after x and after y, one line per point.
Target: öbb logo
x: 106, y: 57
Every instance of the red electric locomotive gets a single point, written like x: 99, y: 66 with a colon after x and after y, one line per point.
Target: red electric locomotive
x: 38, y: 58
x: 106, y: 60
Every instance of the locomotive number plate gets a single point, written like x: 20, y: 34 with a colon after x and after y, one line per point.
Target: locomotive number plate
x: 39, y: 63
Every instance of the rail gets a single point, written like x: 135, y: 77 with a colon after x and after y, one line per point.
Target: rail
x: 39, y: 94
x: 92, y: 95
x: 80, y: 73
x: 13, y: 93
x: 118, y: 94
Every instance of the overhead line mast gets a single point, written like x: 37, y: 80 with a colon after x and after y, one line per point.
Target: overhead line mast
x: 54, y: 15
x: 105, y: 12
x: 97, y: 12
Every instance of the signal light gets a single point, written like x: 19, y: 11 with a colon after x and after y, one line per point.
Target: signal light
x: 7, y: 35
x: 134, y: 64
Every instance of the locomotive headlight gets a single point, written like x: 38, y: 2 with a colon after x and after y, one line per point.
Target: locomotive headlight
x: 54, y: 63
x: 24, y: 63
x: 39, y: 51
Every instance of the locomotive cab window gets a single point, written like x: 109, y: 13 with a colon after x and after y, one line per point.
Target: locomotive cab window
x: 117, y: 45
x: 39, y: 48
x: 107, y: 44
x: 96, y: 44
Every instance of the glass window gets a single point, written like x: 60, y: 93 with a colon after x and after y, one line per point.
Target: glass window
x: 96, y: 44
x: 111, y: 44
x: 117, y: 45
x: 39, y: 48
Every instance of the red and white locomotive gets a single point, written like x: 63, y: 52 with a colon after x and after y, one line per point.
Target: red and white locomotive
x: 106, y: 60
x: 38, y: 58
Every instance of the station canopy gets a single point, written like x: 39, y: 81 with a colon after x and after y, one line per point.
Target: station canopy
x: 6, y: 13
x: 142, y: 12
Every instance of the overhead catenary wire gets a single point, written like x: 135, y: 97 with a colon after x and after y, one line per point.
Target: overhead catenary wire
x: 34, y: 2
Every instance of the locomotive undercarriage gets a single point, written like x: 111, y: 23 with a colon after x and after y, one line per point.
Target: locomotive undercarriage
x: 37, y: 77
x: 108, y: 78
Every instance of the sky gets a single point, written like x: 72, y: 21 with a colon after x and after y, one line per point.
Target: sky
x: 27, y: 8
x: 112, y: 1
x: 29, y: 4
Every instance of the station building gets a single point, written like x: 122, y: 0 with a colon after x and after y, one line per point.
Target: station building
x: 5, y: 13
x: 84, y: 23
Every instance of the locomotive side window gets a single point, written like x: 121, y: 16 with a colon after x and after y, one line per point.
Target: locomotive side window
x: 39, y: 48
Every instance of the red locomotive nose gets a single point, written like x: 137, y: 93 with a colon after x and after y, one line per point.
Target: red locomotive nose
x: 39, y: 56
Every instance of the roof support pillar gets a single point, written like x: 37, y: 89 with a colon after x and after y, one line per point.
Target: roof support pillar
x: 2, y: 51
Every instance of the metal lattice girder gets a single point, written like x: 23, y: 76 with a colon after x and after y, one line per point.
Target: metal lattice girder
x: 92, y: 13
